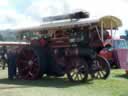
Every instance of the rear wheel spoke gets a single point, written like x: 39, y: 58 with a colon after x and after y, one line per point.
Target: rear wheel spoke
x: 28, y: 64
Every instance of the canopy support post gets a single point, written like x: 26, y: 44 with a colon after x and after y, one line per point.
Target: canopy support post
x: 111, y: 30
x: 102, y: 35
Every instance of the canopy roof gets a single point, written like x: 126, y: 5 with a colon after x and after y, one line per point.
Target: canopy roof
x: 109, y: 22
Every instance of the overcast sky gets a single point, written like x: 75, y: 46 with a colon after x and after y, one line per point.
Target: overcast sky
x: 24, y: 13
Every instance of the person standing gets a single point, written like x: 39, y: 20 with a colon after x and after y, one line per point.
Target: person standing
x: 11, y: 64
x: 4, y: 56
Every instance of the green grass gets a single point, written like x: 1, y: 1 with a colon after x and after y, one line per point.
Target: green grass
x: 115, y: 85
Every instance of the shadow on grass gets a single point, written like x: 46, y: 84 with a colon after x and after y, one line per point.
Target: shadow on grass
x: 122, y: 76
x: 12, y: 87
x: 45, y: 82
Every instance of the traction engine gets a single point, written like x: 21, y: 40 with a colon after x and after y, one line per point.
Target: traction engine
x: 70, y: 49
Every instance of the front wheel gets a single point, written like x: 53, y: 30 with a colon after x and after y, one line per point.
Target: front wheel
x: 78, y: 70
x: 101, y: 67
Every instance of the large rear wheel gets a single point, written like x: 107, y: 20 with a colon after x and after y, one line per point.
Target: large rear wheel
x: 28, y: 64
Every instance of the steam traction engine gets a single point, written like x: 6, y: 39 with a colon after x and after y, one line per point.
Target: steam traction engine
x: 69, y: 47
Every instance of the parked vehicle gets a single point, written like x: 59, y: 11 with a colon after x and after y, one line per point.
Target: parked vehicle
x: 116, y: 52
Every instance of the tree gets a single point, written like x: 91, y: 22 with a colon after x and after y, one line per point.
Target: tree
x: 126, y: 32
x: 1, y: 38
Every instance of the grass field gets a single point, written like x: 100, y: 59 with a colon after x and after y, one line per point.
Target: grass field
x: 115, y: 85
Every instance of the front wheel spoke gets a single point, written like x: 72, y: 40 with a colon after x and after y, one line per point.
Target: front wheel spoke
x: 80, y: 77
x: 100, y: 66
x: 100, y: 75
x: 97, y: 75
x: 103, y: 73
x: 76, y: 78
x: 72, y: 74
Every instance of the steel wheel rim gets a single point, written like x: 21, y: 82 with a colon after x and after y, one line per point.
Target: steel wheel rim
x: 102, y: 69
x: 78, y: 71
x: 77, y: 75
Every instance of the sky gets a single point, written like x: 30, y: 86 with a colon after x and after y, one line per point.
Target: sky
x: 25, y: 13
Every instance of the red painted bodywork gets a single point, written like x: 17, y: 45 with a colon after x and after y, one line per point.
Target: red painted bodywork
x: 105, y: 53
x: 122, y: 58
x: 118, y: 56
